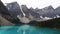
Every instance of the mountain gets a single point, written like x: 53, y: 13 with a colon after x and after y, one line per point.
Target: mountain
x: 3, y: 12
x: 57, y: 11
x: 14, y: 9
x: 9, y: 13
x: 29, y: 12
x: 5, y: 16
x: 3, y: 9
x: 46, y: 12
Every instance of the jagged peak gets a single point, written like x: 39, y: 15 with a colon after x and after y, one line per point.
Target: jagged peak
x: 13, y: 3
x: 48, y: 7
x: 58, y: 7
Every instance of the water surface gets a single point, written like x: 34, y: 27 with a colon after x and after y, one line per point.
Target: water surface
x: 27, y: 29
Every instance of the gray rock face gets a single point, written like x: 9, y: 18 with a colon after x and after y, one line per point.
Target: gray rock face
x: 49, y: 11
x: 3, y: 9
x: 29, y: 12
x: 57, y: 11
x: 46, y: 12
x: 14, y: 9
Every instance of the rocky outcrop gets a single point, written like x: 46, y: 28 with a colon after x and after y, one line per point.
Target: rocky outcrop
x: 3, y: 9
x: 14, y: 9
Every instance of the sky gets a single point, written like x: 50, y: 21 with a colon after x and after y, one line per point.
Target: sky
x: 36, y: 3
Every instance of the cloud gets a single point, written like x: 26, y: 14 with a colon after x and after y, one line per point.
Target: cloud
x: 36, y: 3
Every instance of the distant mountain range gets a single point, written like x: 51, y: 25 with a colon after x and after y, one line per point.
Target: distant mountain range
x: 11, y: 14
x: 14, y: 10
x: 27, y: 14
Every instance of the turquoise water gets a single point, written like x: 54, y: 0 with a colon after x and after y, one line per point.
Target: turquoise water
x: 27, y: 29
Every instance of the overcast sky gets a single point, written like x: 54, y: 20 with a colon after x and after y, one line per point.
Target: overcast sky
x: 36, y: 3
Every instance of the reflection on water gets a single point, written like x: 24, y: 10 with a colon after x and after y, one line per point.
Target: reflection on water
x: 27, y: 29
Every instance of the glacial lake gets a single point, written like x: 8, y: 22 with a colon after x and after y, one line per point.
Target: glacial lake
x: 27, y: 29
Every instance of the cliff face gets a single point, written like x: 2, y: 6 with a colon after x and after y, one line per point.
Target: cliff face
x: 14, y: 9
x: 5, y: 16
x: 3, y: 9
